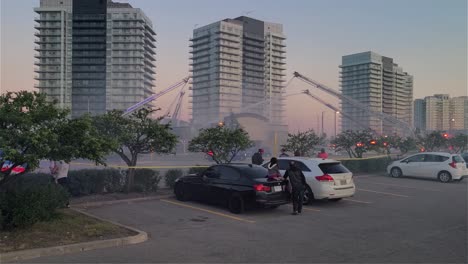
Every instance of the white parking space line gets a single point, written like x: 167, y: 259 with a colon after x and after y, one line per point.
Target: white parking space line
x: 386, y: 193
x: 208, y: 211
x: 402, y: 186
x: 306, y: 208
x: 356, y: 201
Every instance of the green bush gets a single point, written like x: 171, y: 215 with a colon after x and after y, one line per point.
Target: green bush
x: 196, y: 170
x: 171, y: 176
x: 146, y: 180
x: 95, y: 181
x: 22, y: 207
x: 371, y: 165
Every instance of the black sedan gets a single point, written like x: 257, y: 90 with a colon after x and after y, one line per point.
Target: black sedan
x: 233, y: 185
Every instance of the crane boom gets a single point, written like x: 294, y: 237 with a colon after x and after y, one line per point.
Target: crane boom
x: 175, y: 116
x: 355, y: 103
x: 307, y: 92
x: 155, y: 96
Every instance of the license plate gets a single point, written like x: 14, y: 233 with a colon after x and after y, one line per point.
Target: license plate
x: 343, y: 182
x: 277, y: 188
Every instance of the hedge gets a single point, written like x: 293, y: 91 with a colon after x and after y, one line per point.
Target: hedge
x: 367, y: 165
x: 22, y: 207
x: 171, y: 176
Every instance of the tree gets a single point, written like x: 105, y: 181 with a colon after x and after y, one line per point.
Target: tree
x: 432, y: 141
x: 459, y: 143
x: 32, y: 129
x: 224, y: 142
x: 135, y: 135
x: 303, y: 143
x: 355, y: 143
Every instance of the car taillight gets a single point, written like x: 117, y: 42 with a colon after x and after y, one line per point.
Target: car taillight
x: 262, y: 188
x: 453, y: 164
x: 18, y: 170
x: 325, y: 178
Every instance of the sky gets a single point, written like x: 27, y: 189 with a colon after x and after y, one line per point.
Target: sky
x: 428, y: 38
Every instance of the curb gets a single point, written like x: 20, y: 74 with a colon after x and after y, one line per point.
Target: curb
x: 78, y: 247
x: 141, y: 199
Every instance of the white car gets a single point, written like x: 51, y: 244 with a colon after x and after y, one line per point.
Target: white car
x: 326, y: 178
x: 434, y: 165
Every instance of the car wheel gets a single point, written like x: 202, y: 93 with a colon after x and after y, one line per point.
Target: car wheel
x: 236, y: 204
x: 444, y: 176
x: 335, y: 199
x: 308, y: 195
x: 181, y: 192
x: 396, y: 172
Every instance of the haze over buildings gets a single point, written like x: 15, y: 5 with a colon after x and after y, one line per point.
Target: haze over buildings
x: 94, y: 56
x: 380, y: 85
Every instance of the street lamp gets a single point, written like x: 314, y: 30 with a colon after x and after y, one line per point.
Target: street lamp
x: 336, y: 113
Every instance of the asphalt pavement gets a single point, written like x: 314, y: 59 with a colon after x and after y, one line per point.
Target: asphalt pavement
x: 389, y: 220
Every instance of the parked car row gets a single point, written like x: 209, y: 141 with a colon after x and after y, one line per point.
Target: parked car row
x: 238, y: 186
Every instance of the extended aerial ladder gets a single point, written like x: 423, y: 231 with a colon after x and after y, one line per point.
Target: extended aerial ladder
x: 335, y: 109
x: 355, y: 103
x: 148, y: 100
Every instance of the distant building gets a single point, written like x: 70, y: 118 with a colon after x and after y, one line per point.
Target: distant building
x: 94, y: 56
x: 380, y: 85
x: 419, y: 114
x: 441, y: 113
x: 458, y: 113
x: 238, y: 66
x: 437, y: 112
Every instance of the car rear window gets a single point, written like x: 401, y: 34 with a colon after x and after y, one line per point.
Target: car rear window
x: 255, y: 172
x: 333, y: 168
x: 457, y: 159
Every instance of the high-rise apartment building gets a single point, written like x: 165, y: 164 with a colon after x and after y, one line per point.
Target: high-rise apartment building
x: 238, y: 65
x: 381, y: 86
x: 437, y: 112
x: 441, y: 113
x: 419, y: 115
x: 458, y: 116
x: 94, y: 55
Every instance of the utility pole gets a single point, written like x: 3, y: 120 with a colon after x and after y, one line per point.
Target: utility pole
x: 323, y: 112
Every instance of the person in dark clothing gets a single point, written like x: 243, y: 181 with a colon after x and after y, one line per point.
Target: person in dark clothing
x: 257, y: 158
x: 283, y: 153
x: 298, y: 185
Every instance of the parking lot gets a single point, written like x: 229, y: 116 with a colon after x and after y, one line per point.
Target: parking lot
x: 388, y: 220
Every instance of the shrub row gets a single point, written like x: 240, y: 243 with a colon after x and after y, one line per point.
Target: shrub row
x: 372, y: 165
x: 25, y: 206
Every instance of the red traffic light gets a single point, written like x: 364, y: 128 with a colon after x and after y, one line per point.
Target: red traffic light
x: 446, y: 135
x: 385, y: 144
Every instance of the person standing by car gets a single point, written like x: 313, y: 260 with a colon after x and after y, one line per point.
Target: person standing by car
x: 322, y: 154
x: 283, y: 153
x: 273, y: 170
x: 257, y: 158
x: 298, y: 185
x: 59, y: 170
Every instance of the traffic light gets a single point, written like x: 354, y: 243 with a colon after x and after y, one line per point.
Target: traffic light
x: 221, y: 124
x: 385, y: 144
x: 373, y: 142
x: 445, y: 135
x: 359, y: 145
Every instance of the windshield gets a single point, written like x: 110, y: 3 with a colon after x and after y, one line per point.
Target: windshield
x: 255, y: 172
x: 333, y: 168
x: 458, y: 159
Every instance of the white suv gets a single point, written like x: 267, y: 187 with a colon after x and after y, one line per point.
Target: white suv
x: 436, y: 165
x: 326, y: 178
